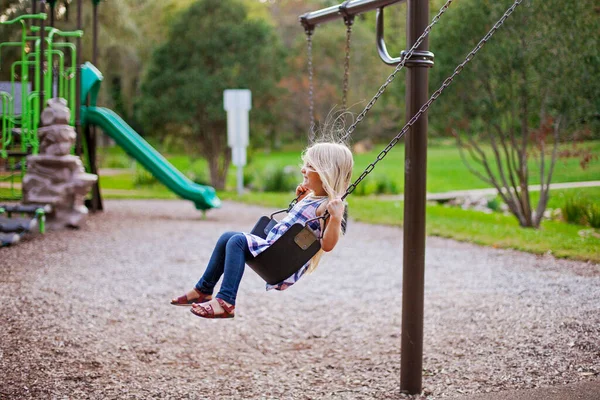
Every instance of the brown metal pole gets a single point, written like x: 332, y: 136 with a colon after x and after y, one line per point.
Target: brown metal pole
x: 90, y: 131
x: 52, y: 14
x: 413, y: 277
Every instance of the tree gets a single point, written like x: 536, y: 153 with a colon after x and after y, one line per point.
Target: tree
x: 211, y: 46
x: 523, y: 94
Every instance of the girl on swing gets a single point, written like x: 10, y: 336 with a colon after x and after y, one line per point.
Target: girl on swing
x: 327, y: 172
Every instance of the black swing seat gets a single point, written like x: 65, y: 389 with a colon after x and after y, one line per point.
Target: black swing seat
x: 287, y: 255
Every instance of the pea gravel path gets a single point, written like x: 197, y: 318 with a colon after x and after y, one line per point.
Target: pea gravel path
x: 85, y: 315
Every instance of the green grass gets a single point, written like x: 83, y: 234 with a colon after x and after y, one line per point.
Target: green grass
x: 446, y: 172
x: 445, y: 169
x: 495, y: 230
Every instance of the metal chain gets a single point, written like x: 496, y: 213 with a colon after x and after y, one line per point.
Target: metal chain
x: 405, y: 56
x: 348, y: 21
x: 433, y: 97
x: 311, y: 100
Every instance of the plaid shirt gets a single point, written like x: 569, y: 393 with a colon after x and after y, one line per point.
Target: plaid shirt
x: 304, y: 210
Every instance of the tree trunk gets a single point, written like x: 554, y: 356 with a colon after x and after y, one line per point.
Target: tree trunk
x: 216, y: 152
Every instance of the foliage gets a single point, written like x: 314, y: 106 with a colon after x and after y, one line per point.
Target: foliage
x: 212, y: 46
x: 376, y: 185
x: 280, y: 179
x: 574, y: 209
x: 497, y: 230
x: 494, y: 204
x: 367, y: 72
x: 142, y: 177
x: 198, y: 175
x: 592, y: 215
x: 514, y: 95
x: 579, y: 209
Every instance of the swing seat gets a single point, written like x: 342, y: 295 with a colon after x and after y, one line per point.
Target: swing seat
x: 287, y: 255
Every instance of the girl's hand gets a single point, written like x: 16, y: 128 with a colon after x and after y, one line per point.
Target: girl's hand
x: 336, y: 208
x: 301, y: 191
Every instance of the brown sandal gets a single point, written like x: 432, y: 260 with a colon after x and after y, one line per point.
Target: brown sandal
x: 207, y: 311
x: 184, y: 301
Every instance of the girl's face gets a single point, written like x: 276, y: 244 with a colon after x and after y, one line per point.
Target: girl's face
x: 312, y: 180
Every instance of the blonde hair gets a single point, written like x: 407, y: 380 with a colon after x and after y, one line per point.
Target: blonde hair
x: 333, y: 162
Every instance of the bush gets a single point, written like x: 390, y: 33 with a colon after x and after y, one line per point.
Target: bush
x: 376, y: 185
x: 592, y: 215
x: 143, y: 177
x: 117, y: 160
x: 280, y: 180
x: 574, y: 210
x: 494, y: 204
x: 198, y: 175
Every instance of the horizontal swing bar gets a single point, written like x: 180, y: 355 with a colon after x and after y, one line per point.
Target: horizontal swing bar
x: 346, y: 9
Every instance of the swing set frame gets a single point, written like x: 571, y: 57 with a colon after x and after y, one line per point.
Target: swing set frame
x: 418, y: 59
x: 415, y: 169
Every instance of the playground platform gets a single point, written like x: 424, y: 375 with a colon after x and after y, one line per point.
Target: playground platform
x: 85, y: 314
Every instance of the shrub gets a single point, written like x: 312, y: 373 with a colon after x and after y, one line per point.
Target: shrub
x: 592, y: 215
x: 376, y: 185
x: 198, y: 175
x: 280, y: 179
x: 143, y: 177
x: 494, y: 204
x: 120, y: 161
x: 574, y: 210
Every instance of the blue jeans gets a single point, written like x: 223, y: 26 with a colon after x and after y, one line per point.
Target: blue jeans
x: 228, y: 259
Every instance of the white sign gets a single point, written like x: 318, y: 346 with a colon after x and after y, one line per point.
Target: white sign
x: 237, y: 103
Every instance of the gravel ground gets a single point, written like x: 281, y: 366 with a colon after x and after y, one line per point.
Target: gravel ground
x: 86, y: 314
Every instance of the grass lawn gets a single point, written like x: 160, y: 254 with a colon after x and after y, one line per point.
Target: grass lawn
x: 445, y: 169
x: 446, y: 172
x: 496, y: 230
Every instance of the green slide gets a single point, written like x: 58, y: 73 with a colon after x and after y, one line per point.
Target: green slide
x: 204, y: 197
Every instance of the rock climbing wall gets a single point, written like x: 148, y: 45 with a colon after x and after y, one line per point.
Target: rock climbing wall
x: 54, y: 176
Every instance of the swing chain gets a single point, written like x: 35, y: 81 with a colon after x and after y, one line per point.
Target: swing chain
x: 433, y: 97
x: 346, y: 68
x: 311, y: 97
x: 404, y: 57
x: 349, y: 21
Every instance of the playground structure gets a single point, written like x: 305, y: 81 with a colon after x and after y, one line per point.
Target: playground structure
x: 48, y: 68
x: 418, y: 101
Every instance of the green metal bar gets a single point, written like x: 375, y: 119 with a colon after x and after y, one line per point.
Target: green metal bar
x: 8, y: 44
x: 41, y: 217
x: 24, y: 17
x: 34, y: 118
x: 7, y: 122
x: 69, y: 80
x: 25, y: 123
x: 50, y: 40
x: 68, y: 88
x: 61, y: 66
x: 70, y: 46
